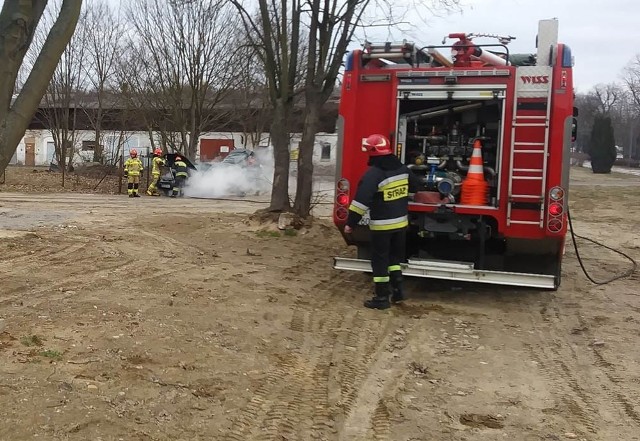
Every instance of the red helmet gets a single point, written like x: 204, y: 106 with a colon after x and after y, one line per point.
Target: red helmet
x: 377, y: 145
x: 178, y: 158
x: 133, y: 153
x: 157, y: 152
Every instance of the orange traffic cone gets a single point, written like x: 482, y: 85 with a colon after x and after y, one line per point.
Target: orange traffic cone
x: 475, y: 190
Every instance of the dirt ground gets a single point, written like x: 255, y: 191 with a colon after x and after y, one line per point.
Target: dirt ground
x: 41, y: 180
x: 161, y: 319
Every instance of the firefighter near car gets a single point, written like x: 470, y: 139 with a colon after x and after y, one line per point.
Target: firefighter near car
x: 156, y: 166
x: 132, y: 170
x: 181, y: 172
x: 383, y: 191
x: 489, y: 135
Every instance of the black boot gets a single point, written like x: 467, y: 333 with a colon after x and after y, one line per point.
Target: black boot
x: 380, y: 300
x: 397, y: 293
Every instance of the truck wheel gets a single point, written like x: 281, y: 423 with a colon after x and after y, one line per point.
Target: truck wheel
x: 364, y: 252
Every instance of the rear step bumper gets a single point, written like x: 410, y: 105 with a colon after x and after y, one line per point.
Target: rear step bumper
x: 461, y: 271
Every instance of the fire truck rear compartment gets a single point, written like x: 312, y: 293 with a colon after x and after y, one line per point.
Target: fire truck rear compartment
x: 438, y: 139
x: 484, y: 209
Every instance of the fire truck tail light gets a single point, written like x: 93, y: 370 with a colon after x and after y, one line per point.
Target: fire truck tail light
x: 342, y: 199
x: 341, y: 213
x: 555, y: 209
x: 556, y: 193
x: 343, y: 185
x: 555, y: 225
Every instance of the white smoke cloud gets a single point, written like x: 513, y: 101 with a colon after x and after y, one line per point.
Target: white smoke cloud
x: 225, y: 180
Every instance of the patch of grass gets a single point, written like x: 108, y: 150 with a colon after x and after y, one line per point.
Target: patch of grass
x: 267, y: 233
x: 291, y: 232
x: 32, y: 340
x: 49, y: 353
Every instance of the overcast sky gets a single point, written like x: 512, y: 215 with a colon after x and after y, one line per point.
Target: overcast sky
x: 603, y: 34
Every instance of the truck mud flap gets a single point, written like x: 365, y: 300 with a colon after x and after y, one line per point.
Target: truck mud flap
x: 460, y: 271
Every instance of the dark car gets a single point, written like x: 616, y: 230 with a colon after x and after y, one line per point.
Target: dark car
x: 167, y: 176
x: 242, y: 157
x: 252, y: 173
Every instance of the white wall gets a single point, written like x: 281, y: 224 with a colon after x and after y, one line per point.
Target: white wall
x: 321, y: 138
x: 19, y: 154
x: 140, y: 141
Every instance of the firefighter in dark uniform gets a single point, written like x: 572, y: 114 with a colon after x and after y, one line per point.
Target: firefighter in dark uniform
x: 384, y: 192
x: 181, y: 174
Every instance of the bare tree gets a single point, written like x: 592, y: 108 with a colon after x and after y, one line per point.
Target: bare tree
x: 138, y: 98
x: 631, y: 78
x: 18, y: 22
x: 589, y: 105
x: 274, y: 33
x: 65, y: 91
x: 188, y: 72
x: 331, y: 28
x: 607, y: 95
x: 332, y: 24
x: 104, y: 44
x: 250, y: 98
x: 617, y: 103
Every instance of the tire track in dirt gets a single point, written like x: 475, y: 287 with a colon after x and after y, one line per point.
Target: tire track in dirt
x: 60, y: 256
x: 368, y: 416
x: 564, y: 385
x: 85, y: 274
x: 282, y: 410
x: 347, y: 346
x: 551, y: 361
x: 381, y: 423
x: 551, y: 355
x: 32, y: 294
x: 319, y: 336
x: 355, y: 359
x: 616, y: 392
x: 362, y: 340
x: 242, y: 425
x: 350, y: 367
x: 269, y: 409
x: 282, y: 414
x: 174, y: 243
x: 293, y: 401
x: 56, y: 256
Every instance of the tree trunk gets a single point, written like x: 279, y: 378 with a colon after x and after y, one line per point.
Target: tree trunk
x: 14, y: 124
x: 280, y: 138
x: 194, y: 134
x: 152, y: 141
x: 18, y: 21
x: 304, y: 187
x: 97, y: 147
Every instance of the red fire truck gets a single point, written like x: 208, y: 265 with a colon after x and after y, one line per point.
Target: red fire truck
x: 516, y: 108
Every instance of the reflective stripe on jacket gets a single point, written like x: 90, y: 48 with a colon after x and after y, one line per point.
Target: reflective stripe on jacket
x: 133, y: 166
x: 181, y: 169
x: 156, y: 164
x: 385, y: 194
